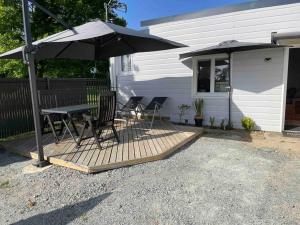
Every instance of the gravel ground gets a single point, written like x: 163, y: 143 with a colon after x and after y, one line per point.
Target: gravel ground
x: 219, y: 179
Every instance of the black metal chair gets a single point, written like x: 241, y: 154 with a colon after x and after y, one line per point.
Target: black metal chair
x: 132, y: 105
x: 153, y: 108
x: 104, y: 119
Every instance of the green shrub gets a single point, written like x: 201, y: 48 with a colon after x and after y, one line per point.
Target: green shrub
x: 248, y: 124
x: 212, y: 121
x: 4, y: 184
x: 198, y: 107
x: 223, y: 124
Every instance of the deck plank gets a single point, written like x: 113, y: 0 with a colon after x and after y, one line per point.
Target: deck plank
x: 137, y: 145
x: 151, y: 147
x: 136, y: 140
x: 142, y: 140
x: 131, y: 150
x: 120, y: 130
x: 98, y: 155
x: 86, y: 152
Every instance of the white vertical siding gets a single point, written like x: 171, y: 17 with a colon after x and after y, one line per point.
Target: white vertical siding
x: 163, y: 74
x: 257, y: 88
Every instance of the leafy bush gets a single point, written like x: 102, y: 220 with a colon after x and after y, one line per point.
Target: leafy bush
x: 248, y: 124
x: 198, y: 107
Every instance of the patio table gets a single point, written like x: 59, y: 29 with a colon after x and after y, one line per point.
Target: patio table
x: 67, y: 113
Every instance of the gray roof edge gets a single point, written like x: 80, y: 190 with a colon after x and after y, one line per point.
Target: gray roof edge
x: 221, y: 10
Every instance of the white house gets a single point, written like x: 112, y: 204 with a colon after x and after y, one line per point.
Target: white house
x: 265, y: 83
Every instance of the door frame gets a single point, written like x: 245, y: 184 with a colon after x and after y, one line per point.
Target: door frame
x: 286, y: 59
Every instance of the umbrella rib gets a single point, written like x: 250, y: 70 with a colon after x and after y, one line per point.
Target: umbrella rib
x: 61, y: 51
x: 129, y: 45
x: 108, y: 41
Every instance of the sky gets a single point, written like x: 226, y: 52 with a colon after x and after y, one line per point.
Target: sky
x: 139, y: 10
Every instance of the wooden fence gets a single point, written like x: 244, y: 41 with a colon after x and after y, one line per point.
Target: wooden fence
x: 15, y: 100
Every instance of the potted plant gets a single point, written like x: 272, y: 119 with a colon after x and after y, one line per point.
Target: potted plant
x: 198, y: 107
x: 183, y: 108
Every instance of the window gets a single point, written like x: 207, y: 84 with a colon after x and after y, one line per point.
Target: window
x: 126, y: 63
x: 211, y: 74
x: 221, y: 75
x: 203, y: 78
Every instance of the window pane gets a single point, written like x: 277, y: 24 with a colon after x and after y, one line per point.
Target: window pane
x: 126, y: 63
x: 221, y: 75
x: 203, y: 79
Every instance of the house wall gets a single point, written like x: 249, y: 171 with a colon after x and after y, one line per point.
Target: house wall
x: 257, y: 88
x: 163, y: 74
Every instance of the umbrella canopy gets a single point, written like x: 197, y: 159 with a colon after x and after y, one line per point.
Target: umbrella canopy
x: 229, y: 47
x: 94, y: 40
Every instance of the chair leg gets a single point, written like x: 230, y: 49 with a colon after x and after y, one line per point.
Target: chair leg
x: 81, y: 134
x: 115, y: 133
x: 96, y: 137
x: 99, y: 132
x: 61, y: 127
x: 136, y: 115
x: 153, y: 118
x: 127, y: 116
x: 52, y: 128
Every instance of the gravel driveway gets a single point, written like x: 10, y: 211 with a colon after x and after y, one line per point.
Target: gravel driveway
x: 219, y: 179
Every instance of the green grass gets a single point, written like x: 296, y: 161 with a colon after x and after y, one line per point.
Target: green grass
x: 18, y: 137
x: 84, y: 217
x: 4, y: 184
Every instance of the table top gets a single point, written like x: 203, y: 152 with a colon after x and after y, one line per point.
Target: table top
x: 69, y: 109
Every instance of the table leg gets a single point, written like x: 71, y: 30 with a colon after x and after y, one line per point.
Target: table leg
x: 73, y: 125
x: 68, y: 129
x: 52, y: 128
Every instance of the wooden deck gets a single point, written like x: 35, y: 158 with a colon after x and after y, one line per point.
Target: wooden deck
x: 138, y: 145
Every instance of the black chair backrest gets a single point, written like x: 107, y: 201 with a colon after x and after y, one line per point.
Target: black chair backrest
x: 61, y: 97
x: 156, y: 101
x: 133, y: 102
x: 106, y: 107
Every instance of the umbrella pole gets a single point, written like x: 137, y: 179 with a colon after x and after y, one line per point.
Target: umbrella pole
x: 29, y: 60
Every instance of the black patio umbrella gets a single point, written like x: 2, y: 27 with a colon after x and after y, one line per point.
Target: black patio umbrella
x: 90, y: 41
x: 229, y: 47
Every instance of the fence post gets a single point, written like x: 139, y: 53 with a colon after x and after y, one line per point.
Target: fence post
x: 48, y: 83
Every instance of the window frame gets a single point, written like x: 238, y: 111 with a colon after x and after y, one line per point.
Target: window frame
x: 129, y: 72
x: 212, y: 93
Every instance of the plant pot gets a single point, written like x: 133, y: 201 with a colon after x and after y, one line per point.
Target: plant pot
x: 198, y: 122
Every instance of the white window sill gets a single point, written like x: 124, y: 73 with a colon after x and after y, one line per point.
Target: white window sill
x: 129, y: 73
x: 211, y: 95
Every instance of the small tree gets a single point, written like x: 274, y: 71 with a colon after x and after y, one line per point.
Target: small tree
x: 183, y: 108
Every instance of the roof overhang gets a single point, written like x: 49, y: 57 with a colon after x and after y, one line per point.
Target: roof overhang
x: 289, y: 38
x: 220, y: 10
